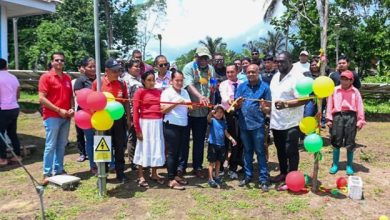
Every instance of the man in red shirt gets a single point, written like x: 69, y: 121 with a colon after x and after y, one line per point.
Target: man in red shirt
x: 111, y: 83
x: 55, y: 95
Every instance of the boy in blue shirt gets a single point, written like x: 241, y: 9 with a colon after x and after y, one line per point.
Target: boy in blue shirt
x: 216, y: 150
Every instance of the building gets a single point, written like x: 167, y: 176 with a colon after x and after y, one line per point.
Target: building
x: 20, y: 8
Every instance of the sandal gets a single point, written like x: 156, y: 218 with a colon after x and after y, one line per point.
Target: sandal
x: 181, y: 181
x: 158, y: 180
x: 143, y: 183
x: 175, y: 185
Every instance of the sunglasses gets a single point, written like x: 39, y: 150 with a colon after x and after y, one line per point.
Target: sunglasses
x: 59, y: 60
x: 255, y: 53
x: 218, y: 61
x: 163, y: 65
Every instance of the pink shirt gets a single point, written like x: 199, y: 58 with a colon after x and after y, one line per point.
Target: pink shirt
x: 9, y: 85
x: 346, y: 100
x: 146, y: 104
x: 226, y: 88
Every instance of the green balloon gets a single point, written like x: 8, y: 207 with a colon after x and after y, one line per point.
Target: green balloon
x: 313, y: 143
x: 304, y: 86
x: 115, y: 109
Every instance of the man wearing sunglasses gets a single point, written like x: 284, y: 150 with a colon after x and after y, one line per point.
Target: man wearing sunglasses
x: 137, y: 56
x: 256, y: 58
x: 197, y: 75
x: 55, y: 95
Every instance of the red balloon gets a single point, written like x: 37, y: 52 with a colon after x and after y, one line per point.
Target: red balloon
x: 81, y: 97
x: 295, y: 181
x: 83, y: 119
x: 341, y: 182
x: 96, y: 101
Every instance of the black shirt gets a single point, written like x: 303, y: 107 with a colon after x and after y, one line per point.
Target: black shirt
x: 266, y: 76
x: 83, y: 82
x: 335, y: 76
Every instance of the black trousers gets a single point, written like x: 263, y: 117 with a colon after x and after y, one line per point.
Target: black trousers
x: 118, y: 139
x: 80, y: 141
x: 236, y: 156
x: 8, y: 122
x: 176, y: 139
x: 131, y: 143
x: 286, y: 142
x: 343, y: 132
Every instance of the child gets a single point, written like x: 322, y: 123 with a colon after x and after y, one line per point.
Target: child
x: 345, y: 115
x: 216, y: 149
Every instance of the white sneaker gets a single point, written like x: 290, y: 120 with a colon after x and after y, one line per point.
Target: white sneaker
x: 233, y: 175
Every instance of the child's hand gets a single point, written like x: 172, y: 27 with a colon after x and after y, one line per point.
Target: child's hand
x: 329, y: 124
x: 234, y: 143
x: 360, y: 126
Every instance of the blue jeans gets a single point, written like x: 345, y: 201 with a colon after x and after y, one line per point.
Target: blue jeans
x: 57, y: 131
x: 89, y: 133
x: 198, y: 125
x: 253, y: 141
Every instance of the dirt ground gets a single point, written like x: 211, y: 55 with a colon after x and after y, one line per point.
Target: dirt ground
x: 198, y: 201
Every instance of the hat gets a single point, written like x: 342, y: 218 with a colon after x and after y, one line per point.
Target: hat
x: 304, y: 52
x: 203, y: 51
x: 218, y: 106
x: 348, y: 74
x: 112, y: 64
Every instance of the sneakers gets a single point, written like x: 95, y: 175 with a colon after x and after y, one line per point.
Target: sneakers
x: 277, y: 179
x: 213, y: 184
x: 264, y: 186
x: 232, y: 175
x: 218, y: 180
x: 82, y: 158
x: 244, y: 182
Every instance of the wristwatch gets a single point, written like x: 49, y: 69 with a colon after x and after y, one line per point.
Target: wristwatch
x: 285, y: 104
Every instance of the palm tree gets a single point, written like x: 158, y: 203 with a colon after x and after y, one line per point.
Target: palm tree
x: 251, y: 45
x: 214, y: 45
x: 272, y: 43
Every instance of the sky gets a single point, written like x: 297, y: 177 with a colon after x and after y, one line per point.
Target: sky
x: 188, y: 21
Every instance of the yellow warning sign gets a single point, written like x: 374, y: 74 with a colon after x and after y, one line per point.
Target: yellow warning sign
x: 102, y: 148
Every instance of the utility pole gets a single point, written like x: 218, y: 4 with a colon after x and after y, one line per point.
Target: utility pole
x: 159, y: 38
x: 16, y: 42
x: 337, y: 42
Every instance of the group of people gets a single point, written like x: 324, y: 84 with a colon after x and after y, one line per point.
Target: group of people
x: 164, y: 106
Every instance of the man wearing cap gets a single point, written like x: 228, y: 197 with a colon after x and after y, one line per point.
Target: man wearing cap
x: 343, y: 65
x: 111, y: 84
x: 55, y: 95
x: 303, y: 65
x: 197, y: 75
x: 251, y: 114
x: 137, y: 56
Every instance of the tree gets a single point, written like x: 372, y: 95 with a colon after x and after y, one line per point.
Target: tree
x: 151, y: 16
x: 214, y: 45
x: 272, y: 44
x: 251, y: 45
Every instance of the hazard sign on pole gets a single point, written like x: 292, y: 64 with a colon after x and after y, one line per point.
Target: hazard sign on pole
x: 102, y: 148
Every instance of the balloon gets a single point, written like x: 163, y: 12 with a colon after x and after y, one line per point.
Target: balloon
x: 96, y: 101
x: 115, y: 109
x: 82, y: 119
x: 313, y: 143
x: 304, y: 86
x: 308, y: 125
x: 81, y: 97
x: 323, y: 86
x: 101, y: 120
x: 383, y: 217
x: 295, y: 181
x: 341, y: 182
x: 110, y: 97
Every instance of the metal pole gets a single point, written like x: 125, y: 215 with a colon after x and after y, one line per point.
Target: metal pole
x: 16, y: 43
x: 337, y: 42
x: 159, y: 38
x: 102, y: 176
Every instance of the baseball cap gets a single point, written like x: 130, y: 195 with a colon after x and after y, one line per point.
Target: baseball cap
x: 304, y: 52
x: 347, y: 74
x: 112, y: 64
x: 203, y: 51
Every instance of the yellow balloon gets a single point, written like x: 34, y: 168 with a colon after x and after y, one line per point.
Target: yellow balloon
x: 101, y: 120
x: 323, y: 86
x: 383, y: 217
x: 308, y: 125
x: 110, y: 97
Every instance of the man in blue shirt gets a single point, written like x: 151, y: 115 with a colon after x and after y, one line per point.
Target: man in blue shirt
x: 251, y: 116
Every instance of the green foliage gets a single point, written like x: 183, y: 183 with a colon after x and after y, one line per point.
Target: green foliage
x: 182, y: 60
x: 214, y: 45
x: 71, y: 30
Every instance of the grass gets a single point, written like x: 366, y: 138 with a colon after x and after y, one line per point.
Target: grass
x: 295, y: 205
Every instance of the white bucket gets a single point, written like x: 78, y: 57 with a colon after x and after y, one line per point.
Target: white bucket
x: 355, y: 187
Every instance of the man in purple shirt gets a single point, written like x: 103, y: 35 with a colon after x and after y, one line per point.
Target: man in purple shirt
x: 9, y: 112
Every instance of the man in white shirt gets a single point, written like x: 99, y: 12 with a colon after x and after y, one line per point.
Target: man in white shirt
x: 303, y: 65
x: 286, y: 113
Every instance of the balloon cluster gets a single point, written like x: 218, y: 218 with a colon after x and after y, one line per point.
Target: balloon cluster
x: 322, y: 87
x: 99, y: 110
